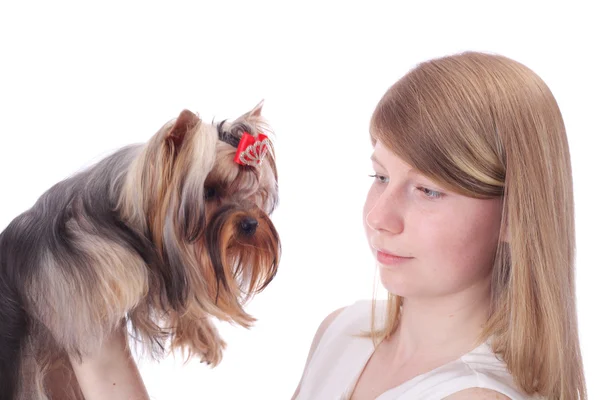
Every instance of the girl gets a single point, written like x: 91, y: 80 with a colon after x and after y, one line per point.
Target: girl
x: 470, y: 217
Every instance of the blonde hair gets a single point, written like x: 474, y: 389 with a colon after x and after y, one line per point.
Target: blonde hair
x: 486, y: 126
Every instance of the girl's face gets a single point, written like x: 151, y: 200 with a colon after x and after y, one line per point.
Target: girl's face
x: 428, y: 241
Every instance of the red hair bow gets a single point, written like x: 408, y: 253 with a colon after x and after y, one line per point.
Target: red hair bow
x: 252, y: 150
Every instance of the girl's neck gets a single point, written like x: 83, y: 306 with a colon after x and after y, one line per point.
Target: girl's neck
x: 435, y: 327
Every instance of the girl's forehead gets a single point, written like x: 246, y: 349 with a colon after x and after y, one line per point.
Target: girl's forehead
x: 383, y: 156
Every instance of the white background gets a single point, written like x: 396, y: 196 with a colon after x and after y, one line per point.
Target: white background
x: 79, y: 81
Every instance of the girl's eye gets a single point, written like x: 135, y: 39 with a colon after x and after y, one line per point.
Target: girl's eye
x: 380, y: 178
x: 432, y: 194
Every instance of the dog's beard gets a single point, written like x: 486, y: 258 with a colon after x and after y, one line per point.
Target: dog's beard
x: 234, y: 263
x: 243, y: 258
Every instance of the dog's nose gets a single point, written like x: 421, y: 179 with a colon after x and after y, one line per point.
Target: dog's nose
x: 248, y: 225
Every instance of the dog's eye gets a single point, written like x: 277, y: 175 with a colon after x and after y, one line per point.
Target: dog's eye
x: 210, y: 193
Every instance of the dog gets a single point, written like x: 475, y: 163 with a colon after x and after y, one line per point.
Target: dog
x: 161, y: 236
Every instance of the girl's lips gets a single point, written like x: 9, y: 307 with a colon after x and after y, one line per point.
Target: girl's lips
x: 390, y: 259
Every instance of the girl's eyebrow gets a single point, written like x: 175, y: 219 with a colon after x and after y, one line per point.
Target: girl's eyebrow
x: 374, y: 159
x: 410, y: 171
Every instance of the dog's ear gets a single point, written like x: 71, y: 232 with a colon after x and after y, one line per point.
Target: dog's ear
x: 254, y: 113
x: 184, y: 123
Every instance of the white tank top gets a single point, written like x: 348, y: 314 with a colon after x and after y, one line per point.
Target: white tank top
x: 340, y: 357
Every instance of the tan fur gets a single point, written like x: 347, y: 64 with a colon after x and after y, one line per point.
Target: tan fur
x: 102, y: 298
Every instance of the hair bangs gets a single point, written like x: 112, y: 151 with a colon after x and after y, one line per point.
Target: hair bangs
x: 425, y: 120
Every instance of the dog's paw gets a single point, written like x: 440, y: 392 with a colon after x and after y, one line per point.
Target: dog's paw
x: 199, y: 338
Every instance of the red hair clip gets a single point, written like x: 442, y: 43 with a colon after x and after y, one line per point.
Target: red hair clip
x: 252, y: 150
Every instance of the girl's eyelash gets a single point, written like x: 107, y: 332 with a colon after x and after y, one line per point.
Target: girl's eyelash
x: 379, y: 178
x: 430, y: 193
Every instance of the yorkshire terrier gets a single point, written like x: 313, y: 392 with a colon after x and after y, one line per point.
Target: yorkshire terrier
x: 160, y: 236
